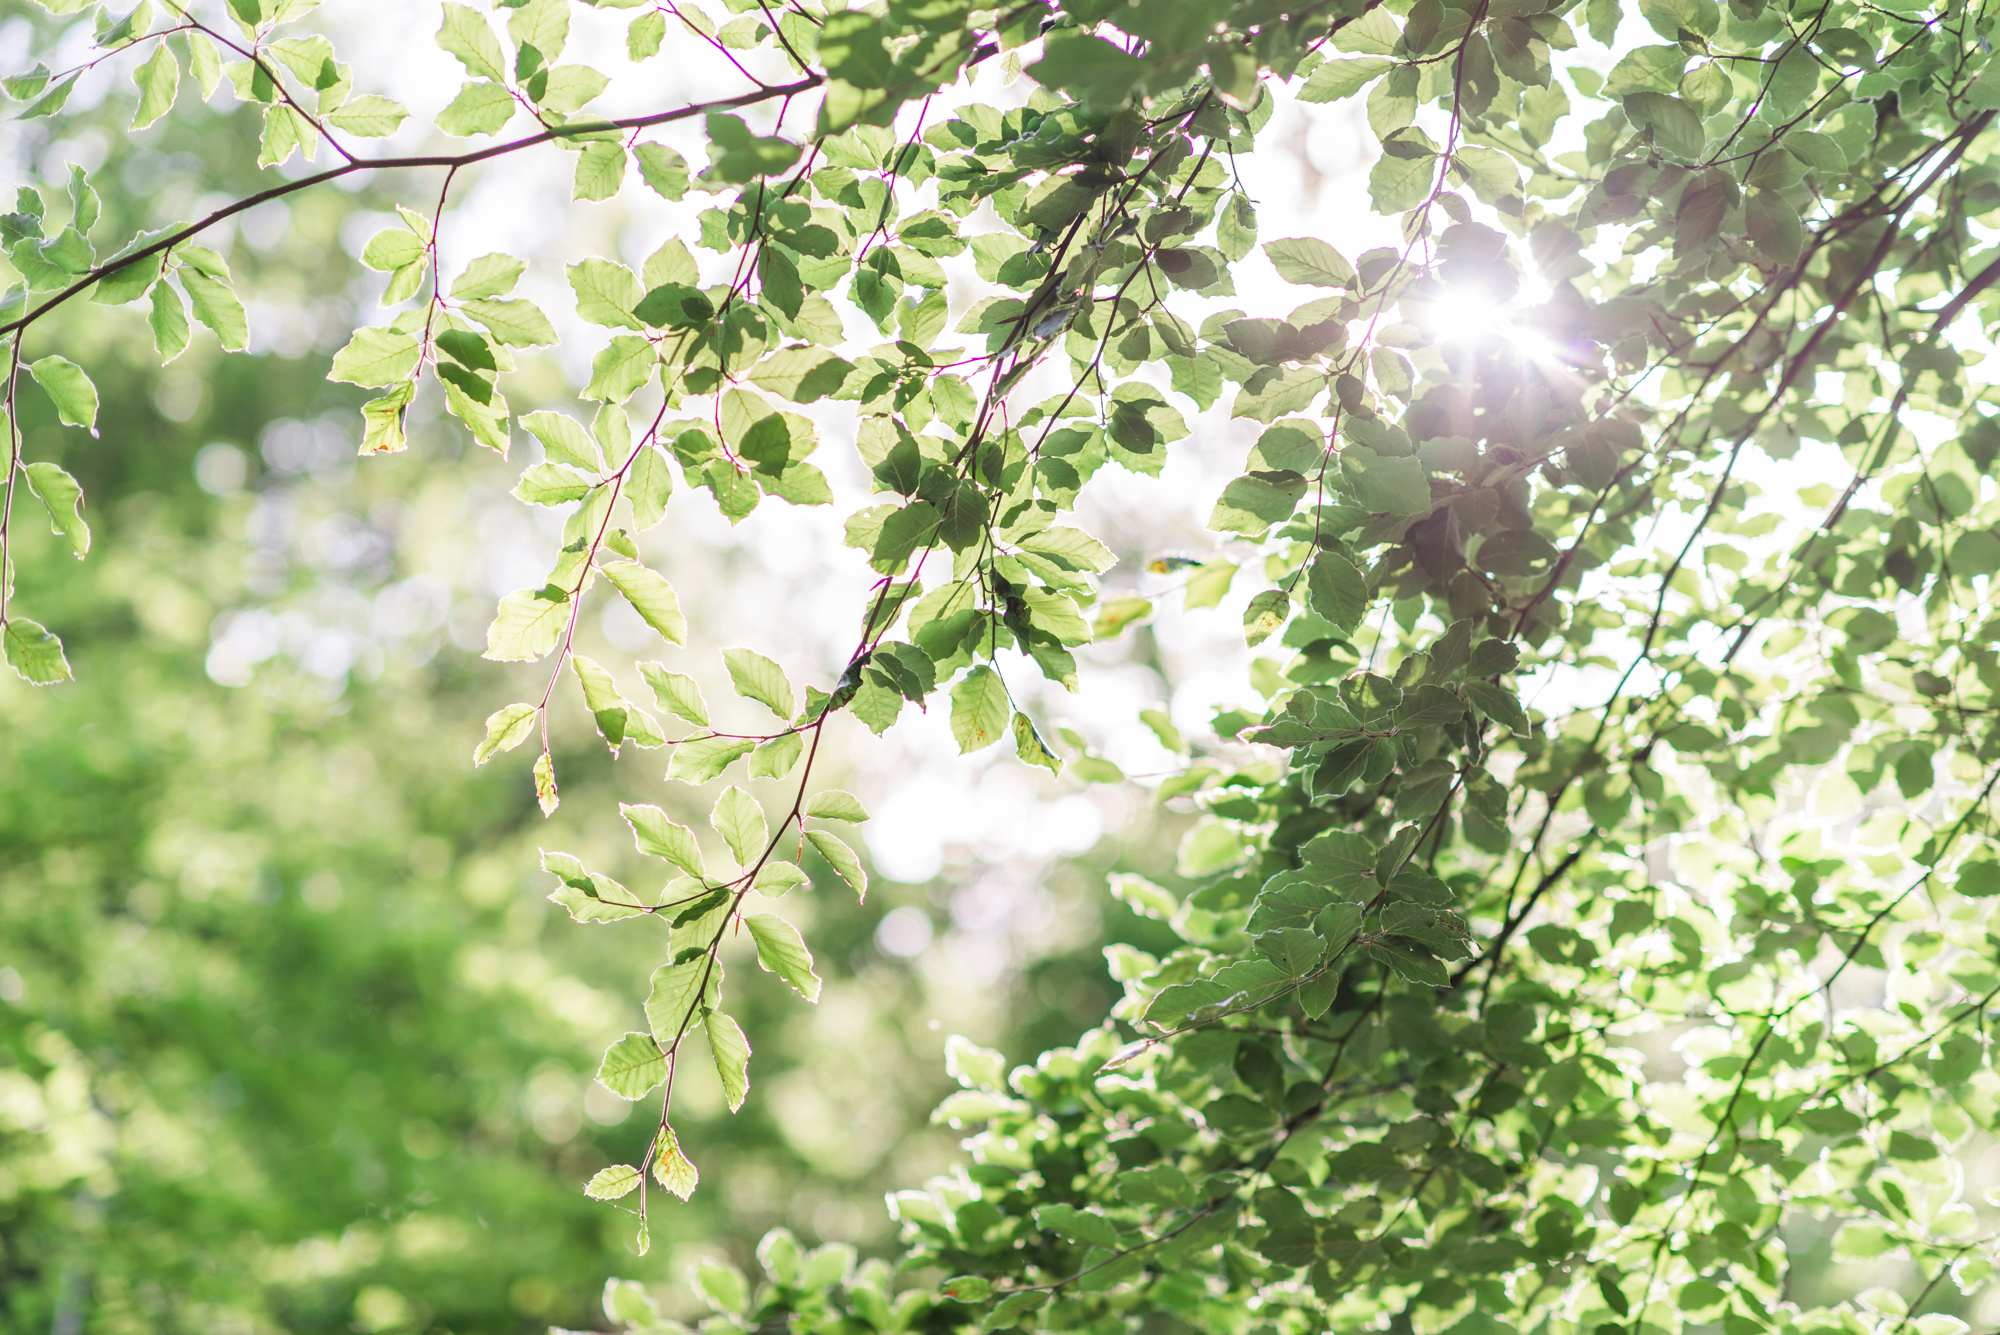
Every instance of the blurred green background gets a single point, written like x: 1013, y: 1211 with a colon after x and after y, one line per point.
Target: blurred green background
x: 289, y: 1039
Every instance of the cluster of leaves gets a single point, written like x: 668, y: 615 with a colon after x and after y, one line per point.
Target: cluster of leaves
x: 1481, y: 1015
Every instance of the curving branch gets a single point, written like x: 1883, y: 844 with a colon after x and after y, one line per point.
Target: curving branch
x: 453, y: 161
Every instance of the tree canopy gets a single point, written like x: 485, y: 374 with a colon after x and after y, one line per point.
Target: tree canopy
x: 1591, y: 926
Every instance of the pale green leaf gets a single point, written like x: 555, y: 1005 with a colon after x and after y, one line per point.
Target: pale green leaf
x: 467, y: 35
x: 488, y: 276
x: 677, y: 693
x: 700, y: 759
x: 565, y: 440
x: 506, y: 729
x: 739, y: 819
x: 529, y: 624
x: 216, y: 305
x: 782, y: 951
x: 159, y: 81
x: 758, y: 678
x: 632, y: 1067
x: 651, y: 597
x: 672, y: 1168
x: 1309, y: 260
x: 613, y: 1183
x: 675, y: 992
x: 657, y: 836
x: 62, y: 496
x: 979, y: 709
x: 841, y: 858
x: 74, y: 396
x: 376, y: 356
x: 34, y: 653
x: 369, y: 116
x: 731, y: 1051
x: 835, y: 804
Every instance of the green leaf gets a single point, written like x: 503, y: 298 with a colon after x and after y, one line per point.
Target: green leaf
x: 782, y: 951
x: 545, y: 784
x: 731, y: 1051
x: 1088, y: 67
x: 1774, y: 229
x: 672, y: 1168
x: 664, y: 171
x: 600, y: 170
x: 368, y: 116
x: 1675, y: 126
x: 674, y: 993
x: 1250, y: 504
x: 468, y: 36
x: 565, y: 441
x: 392, y: 248
x: 551, y: 484
x: 530, y: 622
x: 34, y: 653
x: 1656, y: 69
x: 512, y: 321
x: 677, y: 693
x: 801, y: 374
x: 506, y: 729
x: 1071, y: 548
x: 778, y: 878
x: 649, y: 483
x: 1030, y: 748
x: 1394, y: 485
x: 632, y: 1067
x: 843, y: 859
x: 159, y: 81
x: 1402, y: 178
x: 1082, y: 1226
x: 620, y: 369
x: 739, y: 819
x: 68, y: 388
x: 1267, y: 611
x: 479, y: 108
x: 168, y: 319
x: 1979, y: 879
x: 700, y: 759
x: 541, y: 24
x: 1337, y: 590
x: 376, y: 356
x: 613, y: 1183
x: 1412, y: 962
x: 774, y: 759
x: 657, y: 836
x: 651, y: 597
x: 606, y: 293
x: 488, y: 276
x: 643, y: 38
x: 1338, y: 79
x: 835, y: 804
x: 1501, y: 705
x: 618, y: 721
x: 756, y: 677
x: 216, y: 305
x: 62, y: 497
x: 740, y: 156
x: 382, y: 421
x: 980, y: 710
x: 1308, y: 260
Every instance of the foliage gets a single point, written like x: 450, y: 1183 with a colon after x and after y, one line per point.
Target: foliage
x: 259, y: 936
x: 1481, y: 1013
